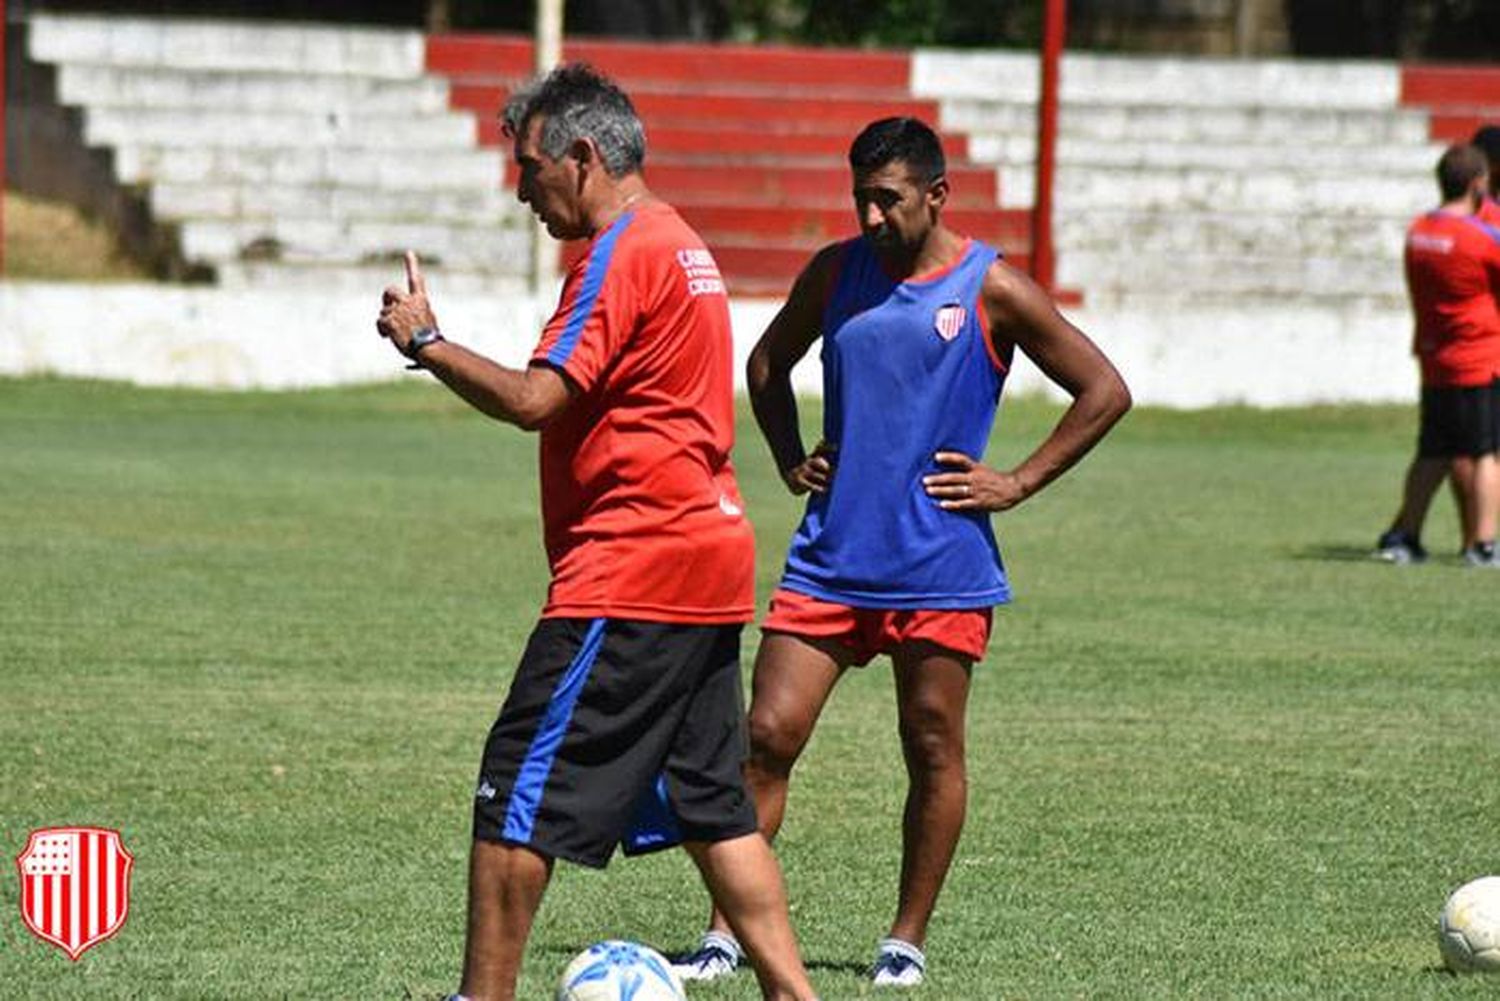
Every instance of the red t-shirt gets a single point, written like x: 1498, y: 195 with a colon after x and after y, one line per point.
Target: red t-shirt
x: 1489, y: 211
x: 642, y: 516
x: 1453, y: 274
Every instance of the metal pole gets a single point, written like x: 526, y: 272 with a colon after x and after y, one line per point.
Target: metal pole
x: 1246, y: 27
x: 548, y: 52
x: 1043, y: 257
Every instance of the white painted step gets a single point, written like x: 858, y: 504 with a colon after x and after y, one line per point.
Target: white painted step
x: 240, y: 91
x: 1224, y: 233
x: 1014, y: 149
x: 1162, y: 122
x: 367, y: 278
x: 475, y: 247
x: 384, y: 169
x: 1170, y: 303
x: 340, y: 129
x: 1120, y: 270
x: 487, y: 206
x: 1202, y: 82
x: 472, y: 248
x: 188, y: 43
x: 1080, y: 190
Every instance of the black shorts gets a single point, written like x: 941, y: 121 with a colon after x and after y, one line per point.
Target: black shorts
x: 618, y: 731
x: 1459, y: 420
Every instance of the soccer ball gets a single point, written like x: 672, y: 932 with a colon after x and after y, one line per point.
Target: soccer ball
x: 620, y: 971
x: 1469, y: 927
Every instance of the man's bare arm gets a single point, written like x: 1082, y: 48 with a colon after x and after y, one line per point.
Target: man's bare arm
x: 769, y: 377
x: 1020, y: 312
x: 527, y: 398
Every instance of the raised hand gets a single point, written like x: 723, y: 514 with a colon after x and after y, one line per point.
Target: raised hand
x: 402, y: 314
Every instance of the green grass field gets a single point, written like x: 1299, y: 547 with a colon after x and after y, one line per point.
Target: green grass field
x: 1215, y: 752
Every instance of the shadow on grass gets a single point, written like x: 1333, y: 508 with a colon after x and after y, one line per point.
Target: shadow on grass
x: 1366, y: 555
x: 1336, y: 554
x: 838, y: 966
x: 827, y: 965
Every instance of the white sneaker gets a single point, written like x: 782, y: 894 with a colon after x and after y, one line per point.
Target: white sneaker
x: 898, y: 964
x: 718, y: 955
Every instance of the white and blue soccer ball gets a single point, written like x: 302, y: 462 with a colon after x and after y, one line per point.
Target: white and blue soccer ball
x: 1469, y: 927
x: 620, y: 971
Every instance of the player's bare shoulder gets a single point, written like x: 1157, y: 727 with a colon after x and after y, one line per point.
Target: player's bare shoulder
x: 815, y: 283
x: 801, y: 315
x: 1011, y: 297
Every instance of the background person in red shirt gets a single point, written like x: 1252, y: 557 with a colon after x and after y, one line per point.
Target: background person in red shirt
x: 1453, y: 277
x: 625, y: 720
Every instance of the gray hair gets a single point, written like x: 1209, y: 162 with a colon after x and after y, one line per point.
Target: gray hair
x: 575, y: 102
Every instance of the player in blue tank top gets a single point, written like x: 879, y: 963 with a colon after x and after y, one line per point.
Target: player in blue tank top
x: 895, y: 553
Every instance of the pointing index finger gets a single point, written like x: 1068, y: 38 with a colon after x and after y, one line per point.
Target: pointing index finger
x: 415, y: 283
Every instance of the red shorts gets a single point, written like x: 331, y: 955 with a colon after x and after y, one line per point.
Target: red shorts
x: 868, y: 632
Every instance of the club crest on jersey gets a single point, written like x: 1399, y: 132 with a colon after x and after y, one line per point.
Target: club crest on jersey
x: 949, y: 320
x: 75, y: 886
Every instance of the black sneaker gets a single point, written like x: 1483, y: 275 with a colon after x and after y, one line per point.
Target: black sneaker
x: 1398, y: 548
x: 1481, y: 554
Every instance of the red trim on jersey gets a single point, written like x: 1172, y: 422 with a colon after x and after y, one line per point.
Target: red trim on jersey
x: 1002, y: 364
x: 937, y: 272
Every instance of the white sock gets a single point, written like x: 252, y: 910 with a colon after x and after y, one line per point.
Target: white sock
x: 902, y: 948
x: 724, y: 941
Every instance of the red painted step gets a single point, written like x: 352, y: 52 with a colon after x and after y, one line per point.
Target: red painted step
x: 774, y: 185
x: 1453, y: 127
x: 756, y: 270
x: 1451, y: 86
x: 684, y: 141
x: 813, y: 226
x: 818, y: 113
x: 748, y: 142
x: 770, y: 270
x: 801, y: 140
x: 510, y: 56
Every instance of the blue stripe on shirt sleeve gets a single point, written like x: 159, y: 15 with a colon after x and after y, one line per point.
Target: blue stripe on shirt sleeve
x: 588, y: 292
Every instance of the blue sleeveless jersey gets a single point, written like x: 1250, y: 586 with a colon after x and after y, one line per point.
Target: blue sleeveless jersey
x: 907, y: 372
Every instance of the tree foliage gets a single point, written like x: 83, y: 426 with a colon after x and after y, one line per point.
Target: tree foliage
x: 891, y: 22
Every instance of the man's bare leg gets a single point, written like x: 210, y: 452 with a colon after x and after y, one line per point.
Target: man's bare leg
x: 1477, y: 480
x: 932, y: 690
x: 1423, y: 477
x: 506, y: 883
x: 745, y: 881
x: 792, y: 681
x: 1486, y: 497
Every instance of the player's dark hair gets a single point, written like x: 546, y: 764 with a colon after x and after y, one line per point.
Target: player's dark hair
x: 1487, y: 138
x: 899, y: 139
x: 577, y: 101
x: 1457, y: 169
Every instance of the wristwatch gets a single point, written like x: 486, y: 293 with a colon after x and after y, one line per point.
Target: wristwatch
x: 419, y: 340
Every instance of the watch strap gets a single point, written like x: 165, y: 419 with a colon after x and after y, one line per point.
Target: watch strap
x: 419, y: 340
